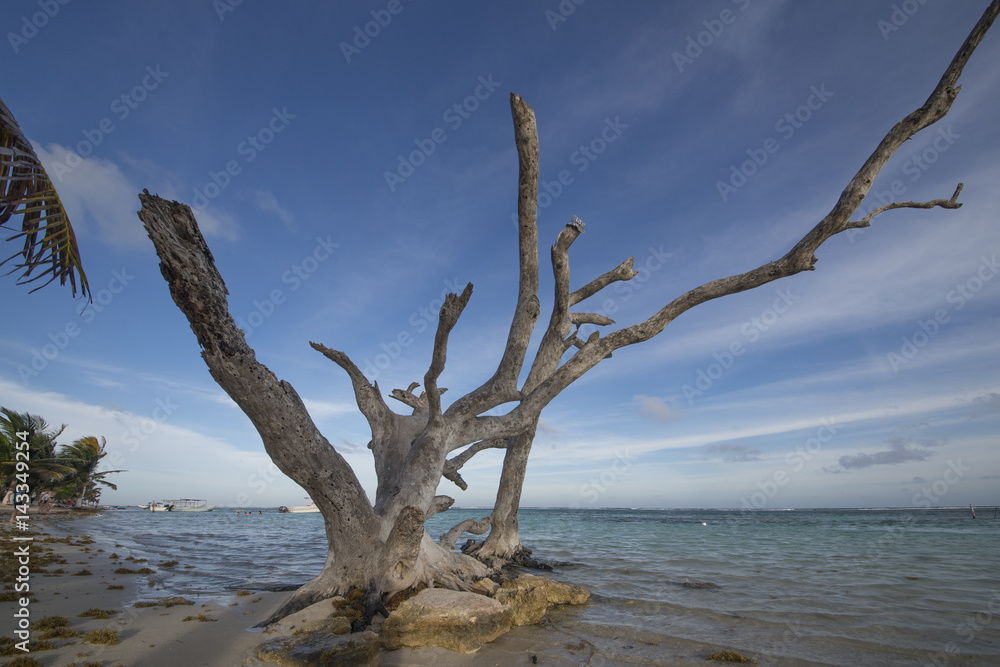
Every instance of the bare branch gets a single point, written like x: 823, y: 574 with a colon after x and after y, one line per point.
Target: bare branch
x: 454, y: 464
x: 560, y: 269
x: 579, y: 319
x: 450, y: 312
x: 937, y: 105
x: 802, y: 257
x: 449, y: 539
x: 502, y: 386
x: 454, y: 476
x: 438, y: 505
x: 368, y: 397
x: 623, y: 271
x: 418, y: 403
x: 943, y: 203
x: 554, y: 341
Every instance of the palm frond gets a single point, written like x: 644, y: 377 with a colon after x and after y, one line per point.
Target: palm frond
x: 26, y: 190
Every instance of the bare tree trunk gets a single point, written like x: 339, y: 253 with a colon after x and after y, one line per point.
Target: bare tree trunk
x: 504, y: 541
x: 378, y: 552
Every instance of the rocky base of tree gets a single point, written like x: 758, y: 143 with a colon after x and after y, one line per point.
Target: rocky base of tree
x: 519, y: 557
x: 455, y: 620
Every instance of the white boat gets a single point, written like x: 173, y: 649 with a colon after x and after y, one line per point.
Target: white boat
x: 308, y: 508
x: 153, y: 506
x: 189, y: 505
x: 180, y: 505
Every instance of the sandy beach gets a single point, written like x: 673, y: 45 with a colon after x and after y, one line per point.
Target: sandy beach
x: 71, y: 575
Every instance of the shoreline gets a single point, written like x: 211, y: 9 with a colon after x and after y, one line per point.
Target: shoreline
x: 641, y: 611
x: 60, y: 558
x: 72, y: 573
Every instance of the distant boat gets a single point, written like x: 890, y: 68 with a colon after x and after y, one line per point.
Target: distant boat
x: 153, y: 506
x: 180, y: 505
x: 308, y: 508
x: 189, y: 505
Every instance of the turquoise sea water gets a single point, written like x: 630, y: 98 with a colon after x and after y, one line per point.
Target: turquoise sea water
x: 833, y: 587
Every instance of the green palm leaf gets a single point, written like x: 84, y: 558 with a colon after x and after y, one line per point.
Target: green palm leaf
x: 26, y: 190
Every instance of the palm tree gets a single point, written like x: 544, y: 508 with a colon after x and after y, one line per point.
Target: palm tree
x: 44, y: 467
x: 84, y: 456
x: 26, y: 190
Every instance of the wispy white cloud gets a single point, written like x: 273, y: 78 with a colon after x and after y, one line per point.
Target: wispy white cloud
x: 733, y: 453
x: 323, y: 409
x: 653, y: 407
x: 267, y: 202
x: 98, y: 197
x: 163, y: 458
x: 101, y: 200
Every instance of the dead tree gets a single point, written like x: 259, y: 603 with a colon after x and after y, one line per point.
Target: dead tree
x: 384, y: 548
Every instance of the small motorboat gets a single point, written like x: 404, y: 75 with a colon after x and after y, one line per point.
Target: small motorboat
x: 308, y: 508
x: 180, y: 505
x: 153, y: 506
x: 189, y: 505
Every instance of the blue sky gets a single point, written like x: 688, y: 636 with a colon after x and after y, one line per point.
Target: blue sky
x: 350, y: 164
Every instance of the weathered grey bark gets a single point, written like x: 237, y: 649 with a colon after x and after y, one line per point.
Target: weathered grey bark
x: 384, y: 548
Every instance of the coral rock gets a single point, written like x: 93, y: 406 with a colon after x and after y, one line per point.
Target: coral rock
x: 453, y: 620
x: 556, y: 592
x: 527, y: 604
